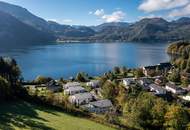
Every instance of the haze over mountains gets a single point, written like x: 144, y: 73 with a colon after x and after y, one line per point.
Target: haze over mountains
x: 17, y: 24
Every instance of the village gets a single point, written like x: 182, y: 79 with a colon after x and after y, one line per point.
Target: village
x: 87, y: 95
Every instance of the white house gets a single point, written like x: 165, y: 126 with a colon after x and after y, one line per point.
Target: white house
x: 174, y: 89
x: 81, y: 98
x: 158, y: 90
x: 100, y: 106
x: 74, y: 90
x: 93, y: 83
x: 128, y: 81
x: 187, y: 97
x: 71, y: 84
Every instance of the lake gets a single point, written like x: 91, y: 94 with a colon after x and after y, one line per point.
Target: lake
x: 65, y: 60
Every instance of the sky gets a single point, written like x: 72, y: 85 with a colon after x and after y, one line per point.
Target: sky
x: 94, y: 12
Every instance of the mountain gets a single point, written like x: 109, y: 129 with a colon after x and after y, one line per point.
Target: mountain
x: 24, y: 15
x: 103, y: 26
x: 68, y: 31
x: 54, y: 28
x: 145, y: 30
x: 148, y: 30
x: 15, y: 32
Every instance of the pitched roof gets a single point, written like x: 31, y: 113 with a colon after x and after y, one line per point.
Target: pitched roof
x: 82, y: 95
x: 77, y: 88
x: 156, y: 87
x: 102, y: 103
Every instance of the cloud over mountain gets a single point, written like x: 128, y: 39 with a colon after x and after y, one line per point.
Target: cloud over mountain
x: 157, y: 5
x: 116, y: 16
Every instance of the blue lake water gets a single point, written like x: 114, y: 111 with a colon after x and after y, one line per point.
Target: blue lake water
x: 65, y: 60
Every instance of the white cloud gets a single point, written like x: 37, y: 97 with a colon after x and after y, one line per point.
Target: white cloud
x: 185, y: 11
x: 116, y: 16
x: 157, y: 5
x: 67, y: 21
x: 99, y: 12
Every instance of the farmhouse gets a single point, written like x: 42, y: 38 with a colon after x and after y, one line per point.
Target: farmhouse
x: 128, y: 81
x: 162, y: 67
x: 74, y: 90
x: 93, y: 83
x: 71, y: 84
x: 157, y: 89
x: 144, y: 81
x: 53, y: 86
x: 100, y: 106
x: 171, y: 87
x: 81, y: 98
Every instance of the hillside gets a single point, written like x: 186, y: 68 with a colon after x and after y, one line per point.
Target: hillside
x: 148, y: 30
x: 179, y: 48
x: 26, y: 116
x: 145, y: 30
x: 14, y: 31
x: 24, y: 15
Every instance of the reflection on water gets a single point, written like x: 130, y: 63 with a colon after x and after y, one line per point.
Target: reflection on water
x: 65, y: 60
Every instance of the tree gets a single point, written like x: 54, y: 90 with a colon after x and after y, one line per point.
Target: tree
x: 174, y: 76
x: 145, y: 112
x: 121, y: 97
x: 81, y: 77
x: 116, y: 70
x: 5, y: 90
x: 42, y: 79
x: 109, y: 91
x: 176, y: 118
x: 139, y: 73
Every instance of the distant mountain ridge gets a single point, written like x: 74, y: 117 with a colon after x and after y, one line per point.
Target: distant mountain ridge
x: 145, y: 30
x: 14, y: 32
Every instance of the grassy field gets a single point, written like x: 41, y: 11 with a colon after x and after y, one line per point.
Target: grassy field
x: 25, y: 116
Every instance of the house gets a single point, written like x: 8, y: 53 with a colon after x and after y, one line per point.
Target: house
x: 74, y: 90
x: 145, y: 82
x: 71, y: 84
x: 93, y: 83
x: 81, y: 98
x: 159, y: 80
x: 187, y: 97
x: 128, y: 81
x: 171, y: 87
x: 53, y: 86
x: 162, y: 68
x: 158, y: 90
x: 149, y: 70
x: 100, y: 106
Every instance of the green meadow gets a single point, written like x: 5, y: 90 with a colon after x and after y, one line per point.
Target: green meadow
x: 26, y: 116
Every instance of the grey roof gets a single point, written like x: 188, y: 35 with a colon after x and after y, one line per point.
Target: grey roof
x: 71, y: 84
x: 77, y: 88
x: 156, y: 87
x: 82, y: 95
x: 102, y: 103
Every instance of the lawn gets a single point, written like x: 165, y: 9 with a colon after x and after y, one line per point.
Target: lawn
x: 26, y: 116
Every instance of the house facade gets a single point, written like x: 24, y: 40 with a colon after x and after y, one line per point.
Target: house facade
x: 128, y: 81
x: 101, y: 106
x: 174, y: 89
x: 71, y: 84
x: 93, y: 83
x: 74, y: 90
x: 81, y: 98
x: 158, y: 90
